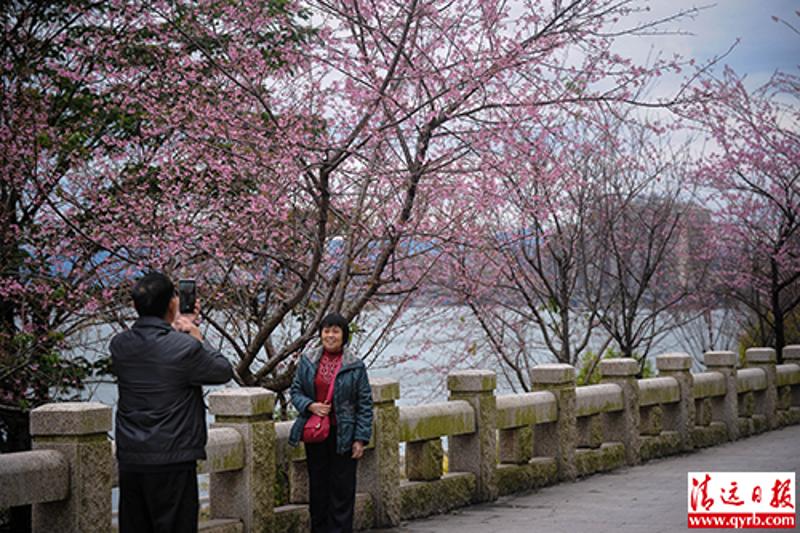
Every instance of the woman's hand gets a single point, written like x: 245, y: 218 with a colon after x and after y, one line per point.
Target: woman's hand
x: 358, y: 449
x: 320, y: 409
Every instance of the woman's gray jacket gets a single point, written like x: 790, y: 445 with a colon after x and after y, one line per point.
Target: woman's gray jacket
x: 352, y: 400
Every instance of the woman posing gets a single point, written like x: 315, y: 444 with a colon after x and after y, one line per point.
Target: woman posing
x: 332, y: 463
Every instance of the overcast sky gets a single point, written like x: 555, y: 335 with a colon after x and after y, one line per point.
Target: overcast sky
x: 765, y: 46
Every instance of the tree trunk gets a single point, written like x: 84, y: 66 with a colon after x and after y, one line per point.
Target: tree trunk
x: 777, y: 311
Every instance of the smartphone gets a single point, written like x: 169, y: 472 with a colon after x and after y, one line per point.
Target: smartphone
x: 187, y: 292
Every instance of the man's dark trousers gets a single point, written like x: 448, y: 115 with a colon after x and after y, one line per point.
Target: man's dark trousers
x: 158, y: 499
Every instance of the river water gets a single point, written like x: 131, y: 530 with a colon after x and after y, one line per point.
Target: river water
x: 426, y: 344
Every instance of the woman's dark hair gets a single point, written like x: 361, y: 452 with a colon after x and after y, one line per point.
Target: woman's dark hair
x: 335, y: 319
x: 152, y: 293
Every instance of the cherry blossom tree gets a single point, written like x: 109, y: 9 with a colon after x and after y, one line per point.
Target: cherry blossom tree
x: 297, y: 157
x: 50, y: 122
x: 594, y: 244
x: 523, y: 276
x: 753, y: 181
x: 318, y: 172
x: 657, y: 249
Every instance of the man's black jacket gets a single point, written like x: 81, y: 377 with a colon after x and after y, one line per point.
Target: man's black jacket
x: 160, y: 413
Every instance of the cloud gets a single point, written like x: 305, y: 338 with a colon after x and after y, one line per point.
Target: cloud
x: 764, y: 45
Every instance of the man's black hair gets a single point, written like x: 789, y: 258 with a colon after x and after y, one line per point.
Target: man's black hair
x: 335, y: 319
x: 152, y: 293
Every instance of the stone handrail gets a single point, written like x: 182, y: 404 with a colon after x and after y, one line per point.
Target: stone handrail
x: 282, y: 447
x: 282, y: 430
x: 653, y: 391
x: 750, y: 379
x: 224, y: 451
x: 496, y: 444
x: 708, y: 384
x: 527, y: 409
x: 596, y: 399
x: 33, y: 477
x: 788, y: 374
x: 430, y: 421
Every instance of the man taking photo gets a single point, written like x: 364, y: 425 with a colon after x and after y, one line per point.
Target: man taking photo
x: 161, y: 364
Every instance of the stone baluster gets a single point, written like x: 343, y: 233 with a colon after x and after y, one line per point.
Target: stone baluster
x: 424, y: 460
x: 681, y: 417
x: 247, y: 494
x: 766, y: 359
x: 377, y: 471
x: 79, y: 431
x: 476, y: 452
x: 791, y: 355
x: 727, y: 409
x: 560, y: 438
x: 626, y: 424
x: 515, y: 445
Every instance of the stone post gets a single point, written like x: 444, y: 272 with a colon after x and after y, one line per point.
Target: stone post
x: 623, y: 372
x: 559, y: 439
x: 678, y: 366
x: 766, y: 359
x: 79, y: 431
x: 247, y: 494
x: 727, y: 410
x: 298, y: 475
x: 378, y: 469
x: 476, y: 452
x: 791, y: 355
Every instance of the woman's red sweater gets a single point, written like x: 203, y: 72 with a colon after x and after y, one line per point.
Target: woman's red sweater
x: 325, y: 374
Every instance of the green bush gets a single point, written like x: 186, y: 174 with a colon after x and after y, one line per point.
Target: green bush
x: 754, y: 335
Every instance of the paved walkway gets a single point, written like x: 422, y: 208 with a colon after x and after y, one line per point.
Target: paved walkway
x: 649, y: 498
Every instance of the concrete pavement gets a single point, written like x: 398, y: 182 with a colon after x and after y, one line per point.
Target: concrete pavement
x: 648, y: 498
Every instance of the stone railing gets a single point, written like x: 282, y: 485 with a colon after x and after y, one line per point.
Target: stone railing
x: 496, y: 445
